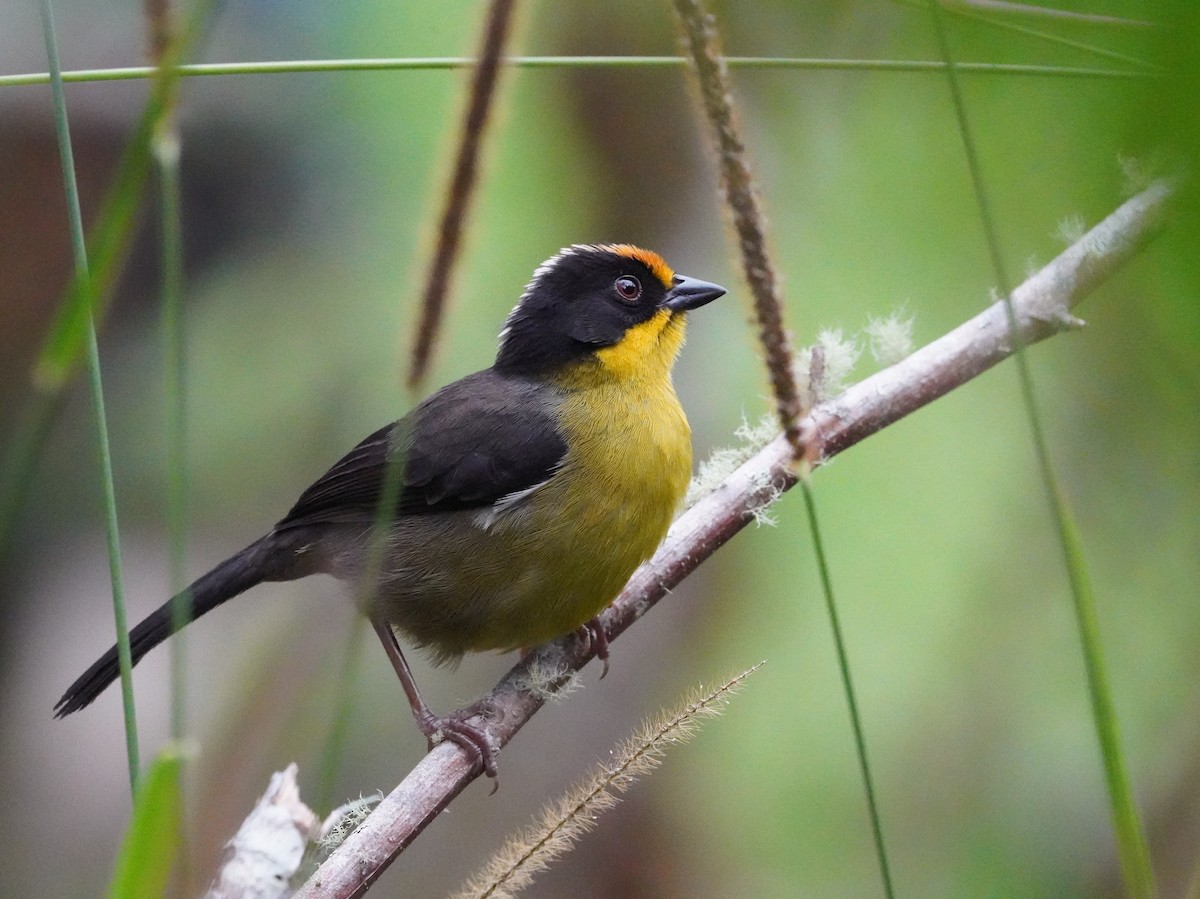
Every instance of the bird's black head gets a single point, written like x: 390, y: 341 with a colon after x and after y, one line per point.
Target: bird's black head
x: 615, y: 305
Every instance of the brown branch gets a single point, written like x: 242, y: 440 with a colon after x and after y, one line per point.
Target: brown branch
x: 702, y: 42
x: 462, y: 185
x: 1042, y: 308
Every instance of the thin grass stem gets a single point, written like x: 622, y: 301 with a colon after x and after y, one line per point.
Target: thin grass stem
x: 1131, y: 842
x: 166, y: 154
x: 741, y: 196
x: 1046, y: 36
x: 165, y: 149
x: 1047, y: 12
x: 287, y: 67
x: 561, y: 825
x: 112, y: 533
x: 843, y: 656
x: 744, y: 202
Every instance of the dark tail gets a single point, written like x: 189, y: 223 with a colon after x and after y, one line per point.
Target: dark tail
x: 254, y: 564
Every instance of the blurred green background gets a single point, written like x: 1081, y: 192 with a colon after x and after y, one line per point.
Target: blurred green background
x: 309, y: 208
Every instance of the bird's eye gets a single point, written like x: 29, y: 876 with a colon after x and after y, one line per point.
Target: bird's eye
x: 628, y: 288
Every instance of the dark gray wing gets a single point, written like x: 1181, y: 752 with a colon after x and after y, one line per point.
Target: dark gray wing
x: 467, y: 446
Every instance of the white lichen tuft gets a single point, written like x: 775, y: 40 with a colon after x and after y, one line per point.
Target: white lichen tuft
x: 763, y: 514
x: 344, y: 820
x: 550, y: 682
x: 329, y: 835
x: 1071, y: 229
x: 1137, y: 174
x: 821, y: 371
x: 890, y: 338
x: 723, y: 461
x: 756, y: 436
x: 841, y: 355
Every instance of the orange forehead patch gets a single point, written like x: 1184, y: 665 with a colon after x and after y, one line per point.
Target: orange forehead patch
x: 648, y: 258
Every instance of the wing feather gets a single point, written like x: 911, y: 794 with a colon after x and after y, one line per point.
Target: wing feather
x: 468, y: 446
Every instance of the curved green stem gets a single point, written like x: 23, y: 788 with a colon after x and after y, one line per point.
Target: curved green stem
x: 860, y: 739
x: 112, y: 533
x: 1131, y: 840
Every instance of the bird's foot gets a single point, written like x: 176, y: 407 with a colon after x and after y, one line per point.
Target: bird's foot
x: 595, y: 640
x: 458, y: 728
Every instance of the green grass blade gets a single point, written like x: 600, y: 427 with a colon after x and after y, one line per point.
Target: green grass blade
x: 110, y: 242
x: 1136, y: 866
x: 152, y: 842
x: 97, y: 390
x: 165, y: 150
x: 1131, y: 841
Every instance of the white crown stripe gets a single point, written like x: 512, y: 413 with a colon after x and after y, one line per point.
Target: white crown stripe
x: 540, y: 272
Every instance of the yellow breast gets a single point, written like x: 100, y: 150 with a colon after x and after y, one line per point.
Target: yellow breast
x: 628, y: 466
x: 625, y: 473
x: 625, y: 428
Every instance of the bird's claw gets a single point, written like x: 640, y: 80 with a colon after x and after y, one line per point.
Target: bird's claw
x: 474, y: 740
x: 595, y: 640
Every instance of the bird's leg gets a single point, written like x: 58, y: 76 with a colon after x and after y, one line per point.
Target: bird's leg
x: 592, y: 635
x: 452, y: 727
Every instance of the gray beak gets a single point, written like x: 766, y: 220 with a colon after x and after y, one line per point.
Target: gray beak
x: 690, y: 293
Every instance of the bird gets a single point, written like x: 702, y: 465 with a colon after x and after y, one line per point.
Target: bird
x: 509, y: 507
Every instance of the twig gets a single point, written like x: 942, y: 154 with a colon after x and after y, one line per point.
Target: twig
x: 462, y: 184
x: 1042, y: 305
x: 741, y: 194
